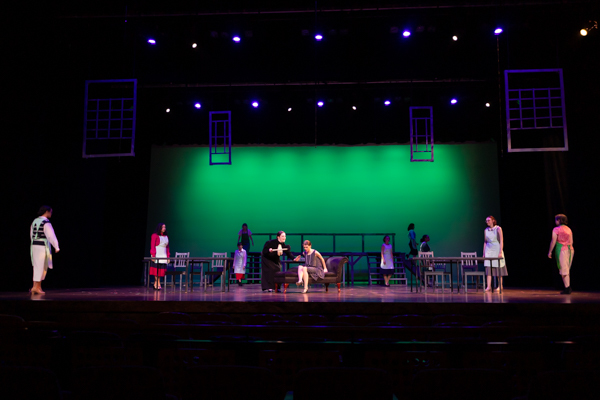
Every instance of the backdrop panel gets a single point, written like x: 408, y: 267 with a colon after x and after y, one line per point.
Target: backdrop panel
x: 327, y: 189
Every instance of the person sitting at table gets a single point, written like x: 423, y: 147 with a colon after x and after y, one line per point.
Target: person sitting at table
x: 159, y: 248
x: 424, y: 246
x: 270, y: 262
x: 314, y: 265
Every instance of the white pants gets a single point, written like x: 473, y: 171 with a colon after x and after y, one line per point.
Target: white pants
x: 40, y: 262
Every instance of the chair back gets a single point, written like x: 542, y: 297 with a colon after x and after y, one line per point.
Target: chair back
x: 468, y: 264
x: 218, y: 263
x: 181, y: 263
x: 426, y: 254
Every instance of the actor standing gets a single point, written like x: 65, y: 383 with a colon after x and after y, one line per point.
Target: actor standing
x: 270, y: 262
x: 42, y: 236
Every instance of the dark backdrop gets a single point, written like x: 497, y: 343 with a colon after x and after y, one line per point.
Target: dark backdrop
x: 101, y: 204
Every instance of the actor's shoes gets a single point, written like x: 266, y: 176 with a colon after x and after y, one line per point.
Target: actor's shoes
x: 299, y: 283
x: 567, y: 290
x: 240, y: 283
x: 387, y: 285
x: 270, y: 290
x: 265, y: 290
x: 305, y: 290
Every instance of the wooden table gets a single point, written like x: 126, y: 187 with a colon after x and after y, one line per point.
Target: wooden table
x: 448, y: 260
x: 190, y: 261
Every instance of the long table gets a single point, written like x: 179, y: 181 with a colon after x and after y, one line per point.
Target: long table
x: 447, y: 260
x: 189, y: 272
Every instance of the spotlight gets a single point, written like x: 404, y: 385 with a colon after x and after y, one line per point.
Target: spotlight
x: 354, y: 108
x: 583, y: 32
x: 387, y: 102
x: 289, y: 109
x: 320, y: 104
x: 455, y: 38
x: 194, y: 45
x: 151, y: 41
x: 487, y: 105
x: 198, y: 105
x: 406, y: 34
x: 318, y: 37
x: 236, y: 39
x: 168, y: 110
x: 453, y: 101
x: 255, y: 104
x: 498, y: 31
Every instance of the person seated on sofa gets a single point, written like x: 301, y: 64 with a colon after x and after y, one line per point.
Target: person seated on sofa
x: 314, y: 265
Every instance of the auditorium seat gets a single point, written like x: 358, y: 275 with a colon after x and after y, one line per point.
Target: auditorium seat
x: 411, y: 320
x: 310, y: 319
x: 171, y: 318
x: 262, y: 319
x: 560, y: 385
x: 356, y: 320
x: 213, y: 317
x: 331, y: 383
x: 28, y: 383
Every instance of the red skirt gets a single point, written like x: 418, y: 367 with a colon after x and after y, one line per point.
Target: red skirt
x: 158, y: 269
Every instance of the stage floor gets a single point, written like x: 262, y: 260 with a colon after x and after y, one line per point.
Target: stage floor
x: 360, y: 294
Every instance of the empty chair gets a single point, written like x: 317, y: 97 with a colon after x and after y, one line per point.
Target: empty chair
x: 125, y: 382
x: 331, y: 383
x: 411, y: 320
x: 310, y: 319
x: 262, y: 319
x: 471, y: 268
x: 356, y: 320
x: 171, y: 318
x: 464, y: 384
x: 213, y: 317
x: 229, y: 382
x: 217, y: 269
x: 559, y: 385
x: 179, y: 268
x: 434, y: 270
x: 28, y: 383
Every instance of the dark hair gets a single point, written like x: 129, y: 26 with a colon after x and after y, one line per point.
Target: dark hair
x: 562, y: 218
x: 423, y: 238
x: 159, y: 228
x: 386, y: 236
x: 240, y: 244
x: 244, y: 225
x: 411, y: 226
x: 493, y: 219
x: 43, y: 210
x: 279, y: 233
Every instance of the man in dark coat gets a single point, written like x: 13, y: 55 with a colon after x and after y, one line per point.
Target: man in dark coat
x: 270, y: 262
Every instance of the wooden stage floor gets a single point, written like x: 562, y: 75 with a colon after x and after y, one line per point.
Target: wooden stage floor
x: 249, y: 299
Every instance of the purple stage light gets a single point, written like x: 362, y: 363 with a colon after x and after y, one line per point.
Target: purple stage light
x: 406, y: 34
x: 194, y: 45
x: 290, y: 109
x: 168, y: 110
x: 198, y: 105
x: 320, y: 104
x: 453, y: 101
x: 319, y: 37
x: 387, y: 102
x: 236, y: 39
x: 255, y: 104
x: 498, y: 31
x: 354, y: 108
x: 151, y: 41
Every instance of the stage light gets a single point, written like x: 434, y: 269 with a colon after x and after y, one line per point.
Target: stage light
x: 487, y: 104
x: 406, y: 34
x: 151, y: 41
x: 591, y: 25
x: 289, y: 109
x: 455, y: 38
x: 198, y: 105
x: 255, y: 104
x: 319, y: 37
x: 354, y: 108
x: 168, y: 110
x: 498, y: 31
x: 320, y: 104
x: 583, y: 32
x: 236, y: 39
x: 453, y: 101
x: 387, y: 102
x: 194, y: 45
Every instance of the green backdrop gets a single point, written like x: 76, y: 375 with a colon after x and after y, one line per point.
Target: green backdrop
x: 326, y: 189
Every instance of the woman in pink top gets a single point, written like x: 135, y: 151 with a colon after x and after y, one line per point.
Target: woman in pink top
x: 562, y: 237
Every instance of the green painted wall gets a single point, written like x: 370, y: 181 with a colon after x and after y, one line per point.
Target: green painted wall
x: 328, y: 189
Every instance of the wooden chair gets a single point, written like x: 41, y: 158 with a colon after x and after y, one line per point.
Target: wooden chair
x: 433, y: 270
x: 217, y: 268
x: 470, y: 268
x: 178, y: 269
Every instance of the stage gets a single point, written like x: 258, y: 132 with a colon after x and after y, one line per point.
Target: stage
x: 377, y: 302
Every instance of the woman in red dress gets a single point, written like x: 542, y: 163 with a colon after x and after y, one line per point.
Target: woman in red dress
x: 159, y: 248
